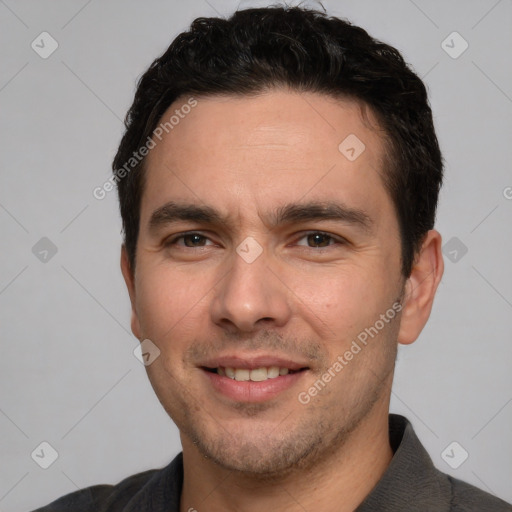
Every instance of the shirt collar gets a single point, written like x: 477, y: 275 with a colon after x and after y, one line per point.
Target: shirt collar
x: 411, y: 482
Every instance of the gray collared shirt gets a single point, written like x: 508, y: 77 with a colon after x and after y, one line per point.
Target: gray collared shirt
x: 411, y: 483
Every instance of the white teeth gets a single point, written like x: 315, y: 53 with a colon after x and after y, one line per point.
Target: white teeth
x: 259, y: 374
x: 255, y: 375
x: 242, y: 374
x: 273, y: 372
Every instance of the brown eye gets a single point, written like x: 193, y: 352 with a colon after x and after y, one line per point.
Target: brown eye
x: 319, y: 240
x: 188, y: 240
x: 194, y: 240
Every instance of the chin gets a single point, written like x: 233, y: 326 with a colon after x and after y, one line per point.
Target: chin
x: 267, y: 462
x: 262, y: 453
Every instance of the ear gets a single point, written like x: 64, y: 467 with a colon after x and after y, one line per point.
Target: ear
x: 421, y: 287
x: 129, y: 279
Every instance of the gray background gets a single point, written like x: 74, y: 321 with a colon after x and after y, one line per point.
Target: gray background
x: 67, y: 369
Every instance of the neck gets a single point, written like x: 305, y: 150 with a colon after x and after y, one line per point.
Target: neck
x: 338, y: 482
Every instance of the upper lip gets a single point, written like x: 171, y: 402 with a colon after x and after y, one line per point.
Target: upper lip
x: 252, y: 362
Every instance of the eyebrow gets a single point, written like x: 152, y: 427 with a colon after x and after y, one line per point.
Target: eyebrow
x: 287, y: 214
x: 327, y: 210
x: 174, y: 212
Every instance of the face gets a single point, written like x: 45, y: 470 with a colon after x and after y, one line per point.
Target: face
x: 265, y: 249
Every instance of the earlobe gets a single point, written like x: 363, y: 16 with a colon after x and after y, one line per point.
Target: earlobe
x: 129, y: 279
x: 421, y: 287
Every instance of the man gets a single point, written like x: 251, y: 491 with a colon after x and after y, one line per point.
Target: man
x: 278, y: 182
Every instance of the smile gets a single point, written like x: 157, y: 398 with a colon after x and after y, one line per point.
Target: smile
x: 253, y: 385
x: 254, y: 375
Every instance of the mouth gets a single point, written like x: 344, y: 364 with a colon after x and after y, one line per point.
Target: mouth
x: 249, y: 379
x: 254, y: 375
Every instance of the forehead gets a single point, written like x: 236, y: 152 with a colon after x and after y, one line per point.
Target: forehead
x: 251, y: 152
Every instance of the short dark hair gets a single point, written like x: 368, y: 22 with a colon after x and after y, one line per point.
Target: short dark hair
x: 307, y: 51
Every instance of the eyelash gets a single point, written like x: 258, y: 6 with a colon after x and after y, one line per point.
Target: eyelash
x: 335, y: 239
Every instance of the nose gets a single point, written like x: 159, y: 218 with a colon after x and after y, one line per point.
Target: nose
x: 250, y: 297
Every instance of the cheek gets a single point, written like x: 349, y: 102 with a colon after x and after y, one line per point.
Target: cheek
x: 339, y: 304
x: 167, y: 303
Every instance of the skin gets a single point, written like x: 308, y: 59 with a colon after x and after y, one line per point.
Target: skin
x: 304, y: 297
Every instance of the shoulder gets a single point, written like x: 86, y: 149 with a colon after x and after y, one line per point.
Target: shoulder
x: 102, y: 498
x: 468, y: 498
x: 413, y: 483
x: 154, y: 490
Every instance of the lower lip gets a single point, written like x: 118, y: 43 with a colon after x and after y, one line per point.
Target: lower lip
x: 250, y: 391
